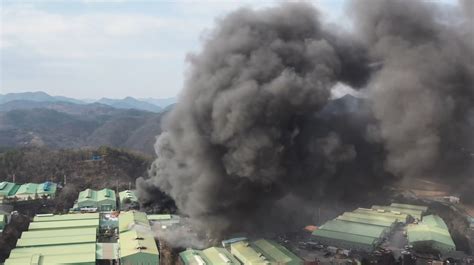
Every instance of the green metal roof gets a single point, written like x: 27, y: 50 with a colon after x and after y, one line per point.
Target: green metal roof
x: 8, y: 189
x: 50, y: 241
x: 370, y: 221
x: 27, y: 189
x: 131, y: 218
x: 414, y: 213
x: 105, y: 195
x: 59, y: 233
x: 98, y: 196
x: 400, y: 217
x: 140, y: 245
x: 410, y: 207
x: 275, y: 253
x: 157, y: 217
x: 128, y: 194
x: 65, y: 217
x: 194, y: 257
x: 219, y: 256
x: 354, y: 228
x: 359, y: 239
x: 246, y: 254
x: 432, y: 231
x: 435, y: 221
x: 64, y: 224
x: 66, y: 254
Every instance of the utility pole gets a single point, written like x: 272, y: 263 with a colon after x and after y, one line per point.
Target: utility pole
x: 129, y: 185
x: 65, y: 180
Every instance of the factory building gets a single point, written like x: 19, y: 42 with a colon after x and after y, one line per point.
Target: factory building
x: 362, y: 229
x: 8, y: 189
x: 138, y: 248
x: 415, y: 211
x: 127, y: 198
x: 57, y: 239
x: 210, y: 256
x: 431, y: 234
x: 263, y: 252
x: 136, y: 240
x: 27, y: 191
x: 129, y: 220
x: 103, y: 200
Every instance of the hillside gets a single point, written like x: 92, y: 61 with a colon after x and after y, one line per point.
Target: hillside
x: 41, y: 164
x: 68, y: 125
x: 30, y: 100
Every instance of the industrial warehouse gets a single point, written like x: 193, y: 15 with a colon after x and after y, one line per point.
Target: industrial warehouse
x: 366, y: 229
x: 242, y: 252
x: 27, y: 191
x: 94, y: 233
x: 91, y: 200
x: 78, y: 239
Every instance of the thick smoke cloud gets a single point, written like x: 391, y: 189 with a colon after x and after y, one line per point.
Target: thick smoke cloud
x: 255, y: 124
x: 423, y: 94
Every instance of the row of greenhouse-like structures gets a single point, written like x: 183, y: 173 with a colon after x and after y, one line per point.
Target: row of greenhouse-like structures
x: 366, y: 229
x: 94, y: 231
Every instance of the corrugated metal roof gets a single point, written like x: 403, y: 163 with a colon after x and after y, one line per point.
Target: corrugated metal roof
x: 354, y: 228
x: 64, y: 224
x: 435, y: 221
x: 67, y: 254
x: 275, y: 253
x: 65, y: 217
x: 193, y: 257
x: 8, y: 189
x: 246, y: 254
x: 59, y: 233
x: 434, y: 232
x: 27, y: 189
x: 128, y: 219
x: 98, y: 196
x: 370, y: 221
x: 410, y: 206
x: 50, y: 241
x: 219, y: 256
x: 414, y: 213
x: 106, y: 195
x: 359, y: 239
x: 401, y: 217
x: 135, y: 242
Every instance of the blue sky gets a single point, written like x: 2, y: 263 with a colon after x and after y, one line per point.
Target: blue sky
x: 110, y: 48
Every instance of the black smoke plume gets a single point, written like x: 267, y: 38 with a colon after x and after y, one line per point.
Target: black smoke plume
x: 255, y: 124
x: 423, y: 95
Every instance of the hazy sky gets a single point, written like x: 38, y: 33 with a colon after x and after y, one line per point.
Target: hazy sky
x: 110, y: 48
